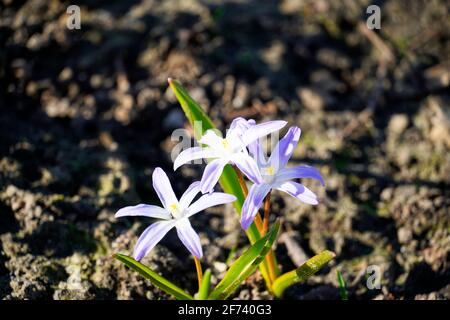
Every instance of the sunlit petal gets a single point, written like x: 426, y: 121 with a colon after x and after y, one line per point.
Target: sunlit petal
x: 260, y: 130
x: 239, y: 126
x: 189, y: 194
x: 300, y: 172
x: 189, y: 237
x: 283, y: 150
x: 145, y: 210
x: 210, y: 200
x: 298, y: 191
x: 163, y: 188
x: 248, y: 166
x: 211, y: 175
x: 212, y: 139
x: 191, y: 154
x: 252, y: 203
x: 150, y: 238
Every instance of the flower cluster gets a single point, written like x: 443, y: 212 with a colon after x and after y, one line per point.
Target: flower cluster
x: 240, y: 147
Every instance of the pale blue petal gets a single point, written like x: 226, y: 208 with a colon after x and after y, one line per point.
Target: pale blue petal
x: 150, y: 238
x: 252, y: 203
x: 300, y: 172
x: 189, y: 194
x: 212, y: 139
x: 248, y: 166
x: 284, y: 149
x: 210, y: 200
x: 189, y: 237
x: 260, y: 130
x: 192, y: 154
x: 239, y: 126
x: 257, y: 151
x: 145, y: 210
x: 298, y: 191
x: 163, y: 188
x: 211, y: 175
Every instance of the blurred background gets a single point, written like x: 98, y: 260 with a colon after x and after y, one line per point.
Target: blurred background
x: 86, y: 115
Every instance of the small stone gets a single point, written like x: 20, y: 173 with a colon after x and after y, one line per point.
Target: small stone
x: 398, y: 124
x: 66, y: 74
x: 311, y: 99
x: 404, y: 235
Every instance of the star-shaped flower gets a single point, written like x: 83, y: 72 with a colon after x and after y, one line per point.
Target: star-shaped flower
x: 174, y: 213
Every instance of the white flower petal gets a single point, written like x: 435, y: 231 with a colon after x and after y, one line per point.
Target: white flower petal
x: 189, y: 237
x: 210, y: 200
x: 298, y: 191
x: 191, y: 154
x: 212, y: 139
x: 150, y: 238
x: 163, y: 188
x: 145, y: 210
x: 211, y: 175
x: 252, y: 203
x: 248, y: 166
x: 189, y: 194
x: 260, y: 130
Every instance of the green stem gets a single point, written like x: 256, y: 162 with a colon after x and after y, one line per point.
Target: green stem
x: 302, y: 273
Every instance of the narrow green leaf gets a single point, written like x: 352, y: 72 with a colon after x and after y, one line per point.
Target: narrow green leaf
x: 231, y: 256
x: 204, y: 288
x: 200, y: 123
x: 302, y: 273
x: 159, y: 281
x: 192, y: 109
x: 342, y: 289
x: 245, y: 265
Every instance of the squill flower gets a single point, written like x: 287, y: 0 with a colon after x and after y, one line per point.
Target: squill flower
x: 231, y: 149
x: 273, y: 174
x: 174, y: 213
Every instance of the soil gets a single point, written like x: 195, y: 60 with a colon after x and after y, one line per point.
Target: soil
x: 86, y: 115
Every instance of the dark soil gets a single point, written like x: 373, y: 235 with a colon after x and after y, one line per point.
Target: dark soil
x: 86, y: 115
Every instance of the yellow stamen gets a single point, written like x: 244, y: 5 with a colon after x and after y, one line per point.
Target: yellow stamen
x: 174, y: 210
x: 225, y: 143
x: 269, y: 171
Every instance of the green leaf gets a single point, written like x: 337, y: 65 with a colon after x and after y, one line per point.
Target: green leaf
x: 195, y: 114
x: 302, y: 273
x: 159, y: 281
x: 245, y: 265
x: 342, y: 289
x: 200, y: 123
x: 204, y: 288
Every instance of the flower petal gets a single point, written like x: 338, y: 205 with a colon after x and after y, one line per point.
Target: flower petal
x: 189, y: 237
x: 260, y: 130
x: 239, y: 126
x: 210, y: 200
x: 211, y: 175
x: 248, y: 166
x: 145, y: 210
x: 257, y: 151
x: 300, y: 172
x: 163, y: 188
x: 189, y: 194
x: 150, y: 238
x: 252, y: 203
x: 212, y: 139
x: 191, y: 154
x: 284, y: 149
x: 298, y: 191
